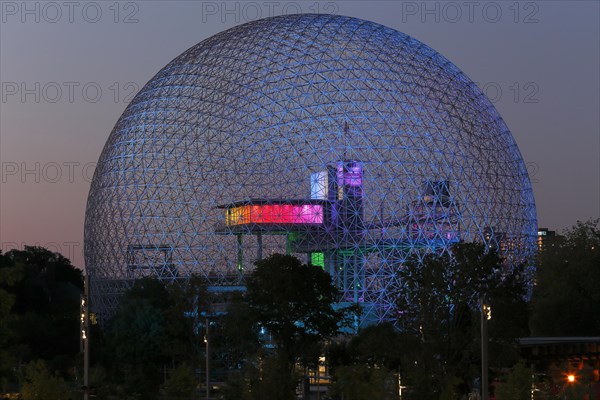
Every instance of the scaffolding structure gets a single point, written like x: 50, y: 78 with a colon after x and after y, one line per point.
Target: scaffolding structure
x: 377, y: 146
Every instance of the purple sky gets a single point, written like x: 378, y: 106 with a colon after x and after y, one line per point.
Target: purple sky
x: 68, y: 70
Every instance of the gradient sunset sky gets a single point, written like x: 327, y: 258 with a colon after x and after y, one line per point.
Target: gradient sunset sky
x: 68, y: 71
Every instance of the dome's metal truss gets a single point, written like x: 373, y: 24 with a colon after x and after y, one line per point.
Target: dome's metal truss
x: 280, y: 110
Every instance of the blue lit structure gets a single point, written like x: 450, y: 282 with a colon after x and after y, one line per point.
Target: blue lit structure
x: 357, y: 145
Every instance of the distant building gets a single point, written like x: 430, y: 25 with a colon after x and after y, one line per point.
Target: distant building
x: 571, y: 365
x: 545, y: 238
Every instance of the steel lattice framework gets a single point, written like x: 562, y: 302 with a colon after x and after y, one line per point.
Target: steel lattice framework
x: 344, y: 142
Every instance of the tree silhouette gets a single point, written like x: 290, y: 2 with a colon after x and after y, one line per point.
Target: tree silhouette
x: 566, y: 298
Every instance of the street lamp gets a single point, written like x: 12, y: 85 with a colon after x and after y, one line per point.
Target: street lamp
x: 85, y: 336
x: 207, y: 343
x: 486, y: 315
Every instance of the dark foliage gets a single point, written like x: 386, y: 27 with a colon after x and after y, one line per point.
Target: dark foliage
x: 439, y: 317
x: 40, y: 314
x: 294, y: 302
x: 566, y: 297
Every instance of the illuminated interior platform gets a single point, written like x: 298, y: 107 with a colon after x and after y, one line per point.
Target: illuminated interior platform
x: 273, y: 215
x: 331, y: 229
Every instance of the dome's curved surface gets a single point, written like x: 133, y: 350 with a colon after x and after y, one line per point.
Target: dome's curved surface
x: 252, y: 112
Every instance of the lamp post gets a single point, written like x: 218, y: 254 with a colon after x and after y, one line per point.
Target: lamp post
x: 207, y: 342
x: 486, y: 314
x: 85, y: 336
x: 210, y: 313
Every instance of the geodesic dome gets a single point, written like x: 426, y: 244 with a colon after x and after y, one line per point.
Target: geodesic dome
x: 344, y: 142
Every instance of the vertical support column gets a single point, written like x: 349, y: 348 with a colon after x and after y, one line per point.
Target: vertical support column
x: 351, y: 226
x: 259, y: 246
x: 240, y: 254
x: 328, y: 258
x: 288, y: 245
x: 356, y: 261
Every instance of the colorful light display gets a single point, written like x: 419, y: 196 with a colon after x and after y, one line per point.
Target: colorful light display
x: 275, y: 214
